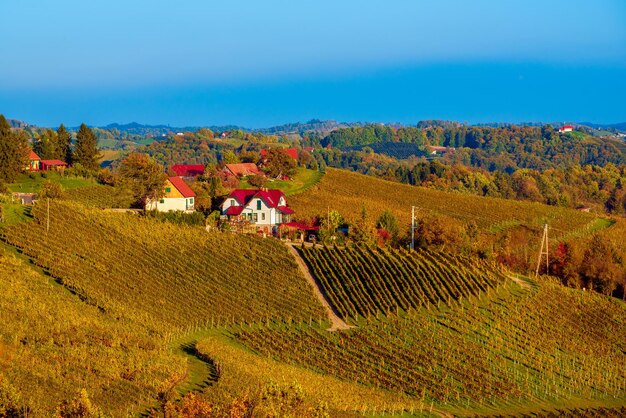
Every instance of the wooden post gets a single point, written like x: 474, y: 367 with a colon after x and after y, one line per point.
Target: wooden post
x: 544, y: 244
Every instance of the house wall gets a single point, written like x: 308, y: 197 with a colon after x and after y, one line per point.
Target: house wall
x: 172, y: 204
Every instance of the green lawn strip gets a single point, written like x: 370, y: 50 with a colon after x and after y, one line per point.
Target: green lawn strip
x: 301, y: 181
x: 32, y: 183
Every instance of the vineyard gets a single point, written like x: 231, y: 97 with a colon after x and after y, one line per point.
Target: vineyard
x: 360, y: 281
x: 347, y: 192
x: 168, y: 277
x: 523, y: 347
x: 52, y: 345
x: 102, y: 197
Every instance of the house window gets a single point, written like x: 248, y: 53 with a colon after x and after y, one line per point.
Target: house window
x: 191, y: 201
x: 262, y: 216
x: 168, y: 189
x: 162, y: 201
x: 258, y: 204
x: 232, y: 202
x: 256, y: 217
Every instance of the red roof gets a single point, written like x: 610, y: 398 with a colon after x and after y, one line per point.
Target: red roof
x: 309, y: 149
x: 270, y: 197
x: 285, y: 210
x: 188, y: 170
x: 292, y: 152
x: 33, y: 156
x: 234, y: 210
x: 182, y: 187
x: 51, y: 163
x: 299, y: 225
x: 243, y: 169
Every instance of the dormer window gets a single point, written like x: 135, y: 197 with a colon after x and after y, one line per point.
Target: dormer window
x: 258, y: 204
x: 232, y: 202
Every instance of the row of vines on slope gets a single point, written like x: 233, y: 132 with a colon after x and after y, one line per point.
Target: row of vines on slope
x: 163, y: 275
x: 361, y: 281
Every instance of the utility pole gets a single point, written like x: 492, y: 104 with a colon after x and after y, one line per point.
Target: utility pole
x: 48, y: 218
x: 544, y: 244
x: 412, y: 228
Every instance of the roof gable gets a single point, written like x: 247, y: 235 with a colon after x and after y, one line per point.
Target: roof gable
x: 270, y: 197
x: 188, y: 170
x: 243, y: 169
x: 33, y: 157
x: 182, y: 187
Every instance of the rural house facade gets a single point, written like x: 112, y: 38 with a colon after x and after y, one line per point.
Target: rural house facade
x: 178, y: 196
x: 258, y: 206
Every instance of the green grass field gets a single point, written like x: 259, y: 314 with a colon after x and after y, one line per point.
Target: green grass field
x: 32, y: 183
x: 302, y: 181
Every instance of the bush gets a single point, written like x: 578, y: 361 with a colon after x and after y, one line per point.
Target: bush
x: 51, y: 190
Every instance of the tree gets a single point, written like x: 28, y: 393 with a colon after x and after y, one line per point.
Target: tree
x: 13, y: 152
x: 278, y: 164
x: 45, y: 145
x: 389, y: 223
x: 86, y: 151
x: 362, y: 231
x: 51, y: 190
x: 64, y: 144
x: 257, y: 180
x: 143, y: 176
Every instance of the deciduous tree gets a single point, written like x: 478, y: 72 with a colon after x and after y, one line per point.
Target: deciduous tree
x: 144, y: 177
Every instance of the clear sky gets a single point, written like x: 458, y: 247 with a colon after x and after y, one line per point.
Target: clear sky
x: 261, y: 63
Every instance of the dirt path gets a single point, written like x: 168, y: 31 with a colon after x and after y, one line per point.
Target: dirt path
x: 337, y: 323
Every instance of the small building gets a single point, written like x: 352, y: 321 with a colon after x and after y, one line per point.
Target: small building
x: 178, y: 196
x: 434, y: 150
x: 566, y: 128
x: 188, y: 170
x: 241, y: 170
x: 257, y: 206
x: 53, y: 165
x: 34, y: 163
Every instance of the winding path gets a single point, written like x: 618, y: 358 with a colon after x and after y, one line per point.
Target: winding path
x: 336, y: 322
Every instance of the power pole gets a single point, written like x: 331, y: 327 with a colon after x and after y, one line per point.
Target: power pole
x: 412, y: 228
x: 48, y: 218
x: 542, y: 252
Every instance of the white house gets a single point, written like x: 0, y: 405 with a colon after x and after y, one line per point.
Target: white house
x: 566, y: 128
x: 178, y: 196
x: 261, y: 207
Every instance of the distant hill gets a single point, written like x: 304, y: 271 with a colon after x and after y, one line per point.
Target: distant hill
x: 323, y: 127
x: 616, y: 126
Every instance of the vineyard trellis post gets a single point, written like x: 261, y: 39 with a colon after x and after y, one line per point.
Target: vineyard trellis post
x: 48, y: 218
x: 412, y: 228
x: 544, y: 244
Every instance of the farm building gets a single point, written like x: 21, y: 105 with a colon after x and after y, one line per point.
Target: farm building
x: 241, y: 170
x: 53, y: 165
x: 188, y: 170
x: 178, y: 196
x: 34, y: 162
x: 566, y: 128
x: 258, y: 206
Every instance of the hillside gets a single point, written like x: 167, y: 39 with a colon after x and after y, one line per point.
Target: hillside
x: 166, y: 277
x: 347, y: 192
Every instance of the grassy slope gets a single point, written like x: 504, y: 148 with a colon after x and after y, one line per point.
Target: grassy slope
x: 27, y: 184
x: 303, y: 180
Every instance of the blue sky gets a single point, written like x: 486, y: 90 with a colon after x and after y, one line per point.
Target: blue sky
x: 263, y: 63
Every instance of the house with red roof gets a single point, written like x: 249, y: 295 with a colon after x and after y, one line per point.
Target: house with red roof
x: 53, y: 165
x: 566, y: 128
x: 178, y: 196
x: 258, y: 206
x: 34, y: 163
x: 241, y: 170
x: 188, y: 170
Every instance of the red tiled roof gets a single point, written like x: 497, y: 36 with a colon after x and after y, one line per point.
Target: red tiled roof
x: 53, y: 162
x: 188, y: 170
x: 243, y: 169
x: 285, y: 210
x: 300, y: 226
x: 243, y: 196
x: 33, y: 156
x: 292, y: 152
x: 182, y: 187
x: 234, y: 210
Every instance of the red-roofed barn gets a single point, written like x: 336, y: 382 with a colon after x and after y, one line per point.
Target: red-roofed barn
x: 188, y: 170
x: 178, y: 196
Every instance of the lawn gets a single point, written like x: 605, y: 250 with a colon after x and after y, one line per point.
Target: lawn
x: 32, y: 183
x: 299, y: 183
